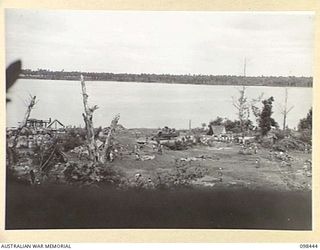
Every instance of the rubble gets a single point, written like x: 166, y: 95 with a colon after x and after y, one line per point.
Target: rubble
x: 147, y: 157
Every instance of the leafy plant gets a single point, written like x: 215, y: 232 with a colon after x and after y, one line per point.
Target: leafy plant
x: 266, y: 121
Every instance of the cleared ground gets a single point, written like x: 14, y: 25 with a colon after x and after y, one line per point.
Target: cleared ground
x: 234, y: 193
x: 221, y: 161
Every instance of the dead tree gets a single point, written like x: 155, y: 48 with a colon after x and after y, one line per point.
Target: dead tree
x: 95, y: 154
x: 23, y: 124
x: 285, y: 110
x: 242, y: 105
x: 11, y: 150
x: 87, y: 116
x: 107, y: 143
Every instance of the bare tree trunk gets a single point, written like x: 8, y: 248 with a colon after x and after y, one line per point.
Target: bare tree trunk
x: 11, y: 150
x: 107, y: 143
x: 24, y: 121
x: 285, y: 111
x: 87, y: 116
x: 284, y: 121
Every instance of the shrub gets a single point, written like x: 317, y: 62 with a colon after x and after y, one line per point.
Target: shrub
x: 73, y: 138
x: 89, y: 173
x: 306, y: 136
x: 289, y: 143
x: 181, y: 176
x: 266, y: 142
x: 281, y: 134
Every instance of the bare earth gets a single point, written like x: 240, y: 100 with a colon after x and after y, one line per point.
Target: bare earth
x: 234, y: 193
x: 222, y: 161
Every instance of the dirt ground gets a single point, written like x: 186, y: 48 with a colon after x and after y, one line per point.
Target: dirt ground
x: 225, y: 166
x: 234, y: 193
x: 221, y: 164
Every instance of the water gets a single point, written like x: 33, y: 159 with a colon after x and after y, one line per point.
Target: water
x: 147, y: 105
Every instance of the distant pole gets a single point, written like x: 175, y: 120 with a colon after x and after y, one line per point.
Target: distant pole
x: 245, y: 66
x: 190, y: 125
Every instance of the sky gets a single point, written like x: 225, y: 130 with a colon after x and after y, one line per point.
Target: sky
x: 215, y: 43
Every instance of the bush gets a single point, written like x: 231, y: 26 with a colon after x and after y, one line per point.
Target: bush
x: 266, y: 142
x: 73, y: 138
x: 70, y: 143
x: 291, y: 144
x: 182, y: 176
x: 176, y: 145
x: 89, y: 173
x: 281, y: 134
x: 306, y: 136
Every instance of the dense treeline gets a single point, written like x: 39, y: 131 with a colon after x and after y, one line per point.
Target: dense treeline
x: 167, y: 78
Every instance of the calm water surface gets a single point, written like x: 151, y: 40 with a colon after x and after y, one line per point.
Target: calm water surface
x: 147, y: 105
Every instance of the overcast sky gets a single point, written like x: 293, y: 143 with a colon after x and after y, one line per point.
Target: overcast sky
x: 162, y: 42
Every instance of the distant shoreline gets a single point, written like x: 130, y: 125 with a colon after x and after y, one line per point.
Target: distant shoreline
x: 269, y: 81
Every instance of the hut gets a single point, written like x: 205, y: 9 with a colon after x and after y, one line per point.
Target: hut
x: 217, y: 130
x: 56, y: 124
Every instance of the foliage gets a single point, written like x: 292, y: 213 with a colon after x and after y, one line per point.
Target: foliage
x: 89, y: 173
x: 243, y: 107
x: 281, y: 134
x: 289, y: 144
x: 266, y: 121
x: 266, y: 142
x: 181, y: 176
x: 46, y: 156
x: 306, y: 136
x: 235, y: 127
x: 177, y: 145
x: 217, y: 122
x: 73, y: 138
x: 256, y: 110
x: 203, y: 125
x: 168, y: 78
x: 306, y: 123
x: 232, y: 126
x: 98, y: 174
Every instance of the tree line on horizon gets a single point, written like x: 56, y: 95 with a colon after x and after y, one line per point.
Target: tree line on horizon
x: 290, y: 81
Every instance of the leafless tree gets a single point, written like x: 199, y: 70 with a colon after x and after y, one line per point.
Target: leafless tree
x: 285, y: 110
x: 23, y: 124
x: 243, y: 107
x: 95, y: 154
x: 87, y: 116
x: 11, y: 150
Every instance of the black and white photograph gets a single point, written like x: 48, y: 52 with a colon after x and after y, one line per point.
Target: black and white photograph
x: 159, y: 119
